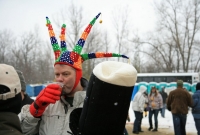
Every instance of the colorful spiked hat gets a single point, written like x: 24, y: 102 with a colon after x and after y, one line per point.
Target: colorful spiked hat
x: 74, y: 58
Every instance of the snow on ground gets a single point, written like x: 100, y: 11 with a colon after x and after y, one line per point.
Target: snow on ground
x: 166, y: 122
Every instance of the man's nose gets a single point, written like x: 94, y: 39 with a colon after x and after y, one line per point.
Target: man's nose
x: 60, y: 78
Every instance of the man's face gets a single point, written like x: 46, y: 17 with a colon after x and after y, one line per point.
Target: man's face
x: 66, y: 75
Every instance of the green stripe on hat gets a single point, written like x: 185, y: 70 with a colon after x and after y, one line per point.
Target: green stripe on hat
x: 93, y: 21
x: 56, y: 47
x: 85, y: 56
x: 77, y: 49
x: 116, y: 55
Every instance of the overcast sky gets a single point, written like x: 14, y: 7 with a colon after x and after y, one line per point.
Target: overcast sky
x: 23, y: 15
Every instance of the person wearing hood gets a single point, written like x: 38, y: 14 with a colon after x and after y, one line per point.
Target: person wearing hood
x: 196, y: 107
x: 10, y: 101
x: 138, y: 105
x: 25, y: 98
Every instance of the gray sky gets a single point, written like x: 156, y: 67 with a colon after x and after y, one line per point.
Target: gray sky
x: 23, y: 15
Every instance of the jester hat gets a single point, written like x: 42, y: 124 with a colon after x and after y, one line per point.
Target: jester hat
x: 74, y: 58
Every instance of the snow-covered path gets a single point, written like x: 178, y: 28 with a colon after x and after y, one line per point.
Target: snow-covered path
x: 166, y: 122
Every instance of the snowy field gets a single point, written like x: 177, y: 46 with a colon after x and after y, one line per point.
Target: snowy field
x: 166, y: 122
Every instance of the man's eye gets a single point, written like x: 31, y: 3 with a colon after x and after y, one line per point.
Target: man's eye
x: 66, y: 74
x: 56, y: 75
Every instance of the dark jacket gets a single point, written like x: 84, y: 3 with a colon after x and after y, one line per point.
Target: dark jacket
x: 196, y: 102
x: 164, y: 96
x: 27, y: 100
x: 178, y: 101
x: 9, y: 124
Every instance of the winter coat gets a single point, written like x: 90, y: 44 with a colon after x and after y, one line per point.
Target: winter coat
x: 55, y: 119
x: 156, y: 100
x: 139, y: 100
x: 196, y: 104
x: 27, y: 100
x: 9, y: 124
x: 164, y: 96
x: 178, y: 101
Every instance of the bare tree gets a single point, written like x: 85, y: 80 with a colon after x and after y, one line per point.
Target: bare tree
x: 44, y: 65
x: 6, y: 42
x: 172, y: 46
x: 121, y: 27
x: 179, y: 21
x: 25, y: 53
x: 73, y: 18
x: 162, y: 53
x: 92, y: 45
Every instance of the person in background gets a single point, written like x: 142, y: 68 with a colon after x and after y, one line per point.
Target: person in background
x: 155, y: 104
x: 10, y: 101
x: 25, y: 98
x: 146, y: 108
x: 178, y: 102
x: 196, y: 107
x: 164, y: 97
x: 138, y: 105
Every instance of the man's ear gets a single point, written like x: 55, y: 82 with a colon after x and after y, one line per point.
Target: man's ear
x: 22, y: 93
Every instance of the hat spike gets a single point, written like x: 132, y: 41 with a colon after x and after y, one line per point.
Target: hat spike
x: 87, y: 56
x: 63, y: 39
x: 79, y: 46
x: 54, y: 43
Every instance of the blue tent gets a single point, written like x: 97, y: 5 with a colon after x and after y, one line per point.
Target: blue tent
x: 135, y: 90
x: 193, y: 87
x: 30, y: 90
x: 172, y: 84
x: 161, y: 85
x: 37, y: 89
x: 187, y: 86
x: 33, y: 90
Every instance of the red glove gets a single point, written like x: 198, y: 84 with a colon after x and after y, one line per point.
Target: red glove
x: 48, y: 95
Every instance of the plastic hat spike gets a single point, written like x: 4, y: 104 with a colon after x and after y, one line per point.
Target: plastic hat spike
x: 62, y: 38
x: 75, y: 58
x: 79, y: 46
x: 54, y: 43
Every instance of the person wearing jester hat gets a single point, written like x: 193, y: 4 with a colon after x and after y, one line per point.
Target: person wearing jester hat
x: 49, y: 113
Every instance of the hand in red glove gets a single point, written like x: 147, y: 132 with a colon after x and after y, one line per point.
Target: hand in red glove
x: 48, y: 95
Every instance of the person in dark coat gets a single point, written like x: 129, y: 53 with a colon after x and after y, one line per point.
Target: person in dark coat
x: 164, y: 97
x: 10, y: 101
x: 178, y: 102
x: 25, y: 98
x: 196, y: 108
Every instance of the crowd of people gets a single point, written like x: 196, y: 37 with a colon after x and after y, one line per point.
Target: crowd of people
x: 178, y: 102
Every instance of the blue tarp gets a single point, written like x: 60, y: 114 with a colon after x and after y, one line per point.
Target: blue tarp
x: 187, y: 86
x: 172, y: 84
x: 161, y: 85
x: 193, y: 87
x: 135, y: 90
x: 33, y: 90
